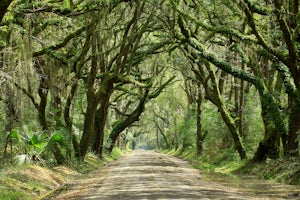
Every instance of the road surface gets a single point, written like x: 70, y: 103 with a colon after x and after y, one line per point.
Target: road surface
x: 141, y: 175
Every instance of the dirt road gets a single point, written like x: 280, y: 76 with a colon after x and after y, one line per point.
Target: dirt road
x: 141, y: 175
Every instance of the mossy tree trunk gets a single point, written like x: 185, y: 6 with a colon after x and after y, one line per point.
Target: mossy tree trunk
x: 289, y: 24
x: 272, y: 107
x: 286, y: 24
x: 292, y: 145
x: 127, y: 121
x: 217, y: 99
x: 269, y: 147
x: 92, y: 103
x: 88, y: 127
x: 43, y: 91
x: 101, y: 115
x: 175, y: 140
x: 77, y: 66
x: 11, y: 117
x: 201, y: 135
x: 214, y: 95
x: 72, y: 138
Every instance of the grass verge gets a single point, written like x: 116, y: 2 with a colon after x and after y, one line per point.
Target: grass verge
x: 227, y: 165
x: 32, y: 181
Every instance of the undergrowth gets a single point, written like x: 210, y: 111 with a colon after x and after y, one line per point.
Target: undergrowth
x: 228, y: 164
x: 35, y: 181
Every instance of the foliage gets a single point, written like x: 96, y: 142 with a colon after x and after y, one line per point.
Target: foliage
x: 88, y: 75
x: 22, y: 182
x: 187, y: 130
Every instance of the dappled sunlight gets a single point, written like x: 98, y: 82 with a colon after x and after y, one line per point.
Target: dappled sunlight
x: 143, y: 175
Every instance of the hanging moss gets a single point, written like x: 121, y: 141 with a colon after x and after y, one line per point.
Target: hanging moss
x: 266, y: 97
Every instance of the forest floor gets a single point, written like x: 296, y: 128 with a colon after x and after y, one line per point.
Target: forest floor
x: 149, y: 175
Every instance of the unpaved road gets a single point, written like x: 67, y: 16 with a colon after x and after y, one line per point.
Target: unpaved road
x: 141, y: 175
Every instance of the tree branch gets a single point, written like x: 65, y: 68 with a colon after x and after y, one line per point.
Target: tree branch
x: 63, y: 43
x: 161, y: 88
x: 261, y: 40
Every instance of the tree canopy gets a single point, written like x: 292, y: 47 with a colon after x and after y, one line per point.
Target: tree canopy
x: 79, y: 76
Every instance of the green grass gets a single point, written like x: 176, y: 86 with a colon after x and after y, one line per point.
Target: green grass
x: 31, y: 181
x: 229, y: 164
x: 12, y: 195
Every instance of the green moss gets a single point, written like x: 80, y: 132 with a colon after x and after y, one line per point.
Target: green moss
x: 12, y: 195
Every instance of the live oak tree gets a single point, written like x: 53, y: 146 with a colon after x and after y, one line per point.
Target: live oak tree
x: 126, y: 47
x: 284, y: 17
x: 247, y: 11
x: 134, y: 116
x: 90, y: 68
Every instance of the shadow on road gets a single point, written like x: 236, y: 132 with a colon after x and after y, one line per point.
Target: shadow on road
x: 143, y: 175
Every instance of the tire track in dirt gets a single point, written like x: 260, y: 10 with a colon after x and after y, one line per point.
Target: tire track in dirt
x: 141, y: 175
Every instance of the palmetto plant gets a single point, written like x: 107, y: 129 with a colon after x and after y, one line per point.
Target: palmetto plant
x: 37, y: 143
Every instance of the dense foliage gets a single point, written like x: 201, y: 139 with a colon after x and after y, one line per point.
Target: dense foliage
x: 211, y: 76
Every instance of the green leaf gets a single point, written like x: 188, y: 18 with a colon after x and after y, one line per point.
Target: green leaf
x: 14, y: 134
x: 34, y: 140
x: 57, y: 137
x: 67, y: 4
x: 40, y: 146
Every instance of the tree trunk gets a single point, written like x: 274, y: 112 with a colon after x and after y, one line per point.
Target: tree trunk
x: 240, y: 110
x: 200, y: 136
x: 99, y: 127
x: 269, y: 146
x: 176, y: 143
x: 92, y: 104
x: 43, y: 93
x: 160, y: 130
x: 101, y: 115
x: 59, y: 157
x: 229, y: 121
x: 88, y: 128
x: 72, y: 138
x: 10, y: 112
x: 123, y: 123
x: 165, y: 139
x: 157, y: 139
x: 233, y: 131
x: 292, y: 144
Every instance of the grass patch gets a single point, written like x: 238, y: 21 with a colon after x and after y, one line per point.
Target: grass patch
x: 229, y: 166
x: 31, y: 181
x: 12, y: 195
x: 280, y: 170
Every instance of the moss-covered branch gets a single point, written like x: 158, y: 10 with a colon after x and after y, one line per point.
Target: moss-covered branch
x: 161, y: 88
x: 224, y: 30
x: 254, y: 7
x: 63, y: 43
x: 266, y: 96
x: 127, y: 121
x: 260, y: 38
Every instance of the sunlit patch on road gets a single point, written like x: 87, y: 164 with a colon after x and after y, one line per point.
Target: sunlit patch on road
x: 142, y: 175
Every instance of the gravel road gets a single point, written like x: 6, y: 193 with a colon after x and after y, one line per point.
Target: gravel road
x: 141, y: 175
